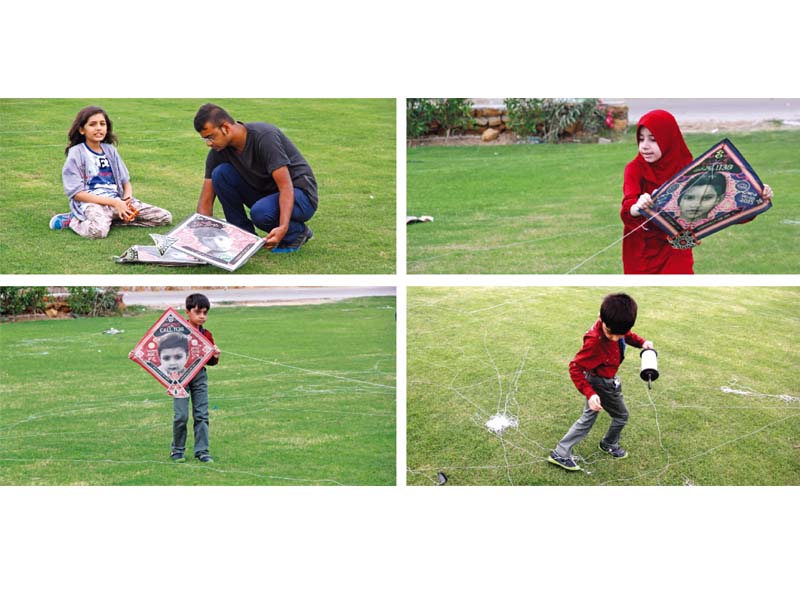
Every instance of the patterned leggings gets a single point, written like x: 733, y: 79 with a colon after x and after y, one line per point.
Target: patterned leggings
x: 99, y: 219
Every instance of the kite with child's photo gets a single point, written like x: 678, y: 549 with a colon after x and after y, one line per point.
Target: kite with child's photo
x: 215, y: 241
x: 172, y: 351
x: 716, y: 190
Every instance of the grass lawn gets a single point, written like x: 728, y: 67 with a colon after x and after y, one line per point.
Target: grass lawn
x: 302, y: 395
x: 724, y: 411
x: 546, y: 208
x: 349, y: 143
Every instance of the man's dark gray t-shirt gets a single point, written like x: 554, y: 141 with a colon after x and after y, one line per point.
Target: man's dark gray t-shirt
x: 265, y: 150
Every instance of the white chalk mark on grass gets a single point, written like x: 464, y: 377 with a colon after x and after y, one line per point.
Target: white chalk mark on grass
x: 203, y: 467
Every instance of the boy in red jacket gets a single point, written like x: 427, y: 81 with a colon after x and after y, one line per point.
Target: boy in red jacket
x: 594, y: 373
x: 197, y: 307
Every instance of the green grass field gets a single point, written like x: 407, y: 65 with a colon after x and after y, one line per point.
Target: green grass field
x: 724, y: 411
x: 349, y: 143
x: 546, y: 208
x: 302, y: 395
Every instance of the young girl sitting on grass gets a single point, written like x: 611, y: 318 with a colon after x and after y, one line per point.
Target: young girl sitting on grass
x: 97, y: 182
x: 662, y: 154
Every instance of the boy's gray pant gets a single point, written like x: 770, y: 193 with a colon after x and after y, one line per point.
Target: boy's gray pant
x: 610, y: 391
x: 198, y: 388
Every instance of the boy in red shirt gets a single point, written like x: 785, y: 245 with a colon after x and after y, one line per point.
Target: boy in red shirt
x: 594, y: 373
x: 197, y: 307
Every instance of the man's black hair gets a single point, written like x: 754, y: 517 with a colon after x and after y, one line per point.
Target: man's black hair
x: 213, y: 114
x: 618, y: 312
x: 197, y: 301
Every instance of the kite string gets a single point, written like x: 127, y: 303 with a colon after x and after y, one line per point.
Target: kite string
x: 309, y: 371
x: 614, y: 243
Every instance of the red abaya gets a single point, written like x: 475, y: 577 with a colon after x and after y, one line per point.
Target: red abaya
x: 646, y: 250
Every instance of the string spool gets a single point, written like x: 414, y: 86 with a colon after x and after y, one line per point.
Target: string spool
x: 649, y: 372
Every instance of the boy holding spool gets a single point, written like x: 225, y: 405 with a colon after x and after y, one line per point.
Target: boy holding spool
x: 594, y: 373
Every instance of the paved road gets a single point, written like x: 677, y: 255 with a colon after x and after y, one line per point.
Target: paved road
x: 262, y: 296
x: 688, y: 110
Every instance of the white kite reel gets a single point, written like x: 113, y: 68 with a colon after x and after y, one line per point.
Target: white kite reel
x: 649, y: 372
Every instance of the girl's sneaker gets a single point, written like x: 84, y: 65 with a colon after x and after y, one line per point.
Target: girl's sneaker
x: 205, y: 458
x: 60, y: 221
x: 178, y: 457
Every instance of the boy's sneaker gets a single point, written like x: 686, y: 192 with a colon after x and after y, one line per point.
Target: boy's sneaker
x: 614, y: 451
x: 205, y: 458
x: 565, y: 463
x: 60, y: 221
x: 177, y: 457
x: 301, y: 239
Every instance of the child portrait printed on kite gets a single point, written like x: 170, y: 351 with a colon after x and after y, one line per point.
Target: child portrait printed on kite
x: 701, y: 196
x: 663, y: 154
x: 173, y: 352
x: 97, y: 182
x: 216, y: 240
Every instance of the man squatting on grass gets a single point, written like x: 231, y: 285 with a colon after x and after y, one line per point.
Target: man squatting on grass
x: 197, y: 307
x: 255, y: 165
x: 594, y: 373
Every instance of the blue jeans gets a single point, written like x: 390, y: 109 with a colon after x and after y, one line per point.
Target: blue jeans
x: 235, y: 193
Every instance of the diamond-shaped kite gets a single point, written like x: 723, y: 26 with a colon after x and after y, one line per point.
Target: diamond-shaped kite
x: 173, y: 352
x: 716, y: 190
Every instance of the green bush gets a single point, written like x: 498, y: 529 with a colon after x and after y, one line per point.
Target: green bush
x: 549, y: 118
x: 92, y: 302
x: 419, y: 115
x: 447, y: 114
x: 21, y: 300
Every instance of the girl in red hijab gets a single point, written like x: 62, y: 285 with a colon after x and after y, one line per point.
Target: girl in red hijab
x: 662, y: 153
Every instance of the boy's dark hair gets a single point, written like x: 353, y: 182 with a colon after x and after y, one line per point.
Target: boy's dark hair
x: 618, y: 312
x: 213, y: 114
x: 714, y: 179
x: 76, y: 137
x: 197, y: 301
x: 173, y: 340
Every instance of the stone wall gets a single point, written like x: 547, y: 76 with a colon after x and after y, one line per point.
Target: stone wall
x: 491, y: 119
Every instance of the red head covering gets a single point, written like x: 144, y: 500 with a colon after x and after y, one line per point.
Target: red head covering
x: 674, y: 153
